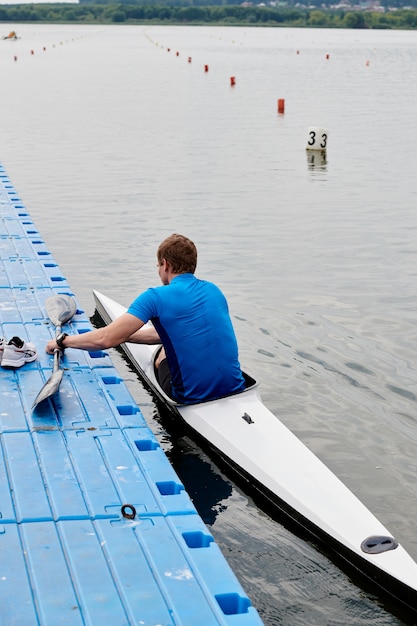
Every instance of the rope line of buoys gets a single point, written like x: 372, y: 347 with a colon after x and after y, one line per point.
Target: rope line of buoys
x: 32, y: 51
x: 317, y: 139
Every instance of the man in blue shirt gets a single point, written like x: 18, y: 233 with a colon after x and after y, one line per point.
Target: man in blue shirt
x: 190, y: 317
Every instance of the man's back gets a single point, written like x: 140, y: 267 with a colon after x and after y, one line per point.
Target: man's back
x: 192, y: 319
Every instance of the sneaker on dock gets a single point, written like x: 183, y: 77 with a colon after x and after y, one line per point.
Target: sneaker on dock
x: 17, y: 352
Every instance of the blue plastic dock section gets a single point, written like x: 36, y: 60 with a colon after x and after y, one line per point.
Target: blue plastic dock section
x: 95, y: 525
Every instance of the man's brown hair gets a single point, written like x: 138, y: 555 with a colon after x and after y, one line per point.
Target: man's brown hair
x: 180, y: 252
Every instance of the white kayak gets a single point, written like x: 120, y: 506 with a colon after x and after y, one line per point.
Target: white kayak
x: 258, y: 446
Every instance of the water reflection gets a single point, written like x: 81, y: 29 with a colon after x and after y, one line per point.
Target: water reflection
x: 317, y: 160
x: 204, y: 483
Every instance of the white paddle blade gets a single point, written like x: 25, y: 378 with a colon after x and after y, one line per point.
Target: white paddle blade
x: 60, y: 309
x: 50, y: 387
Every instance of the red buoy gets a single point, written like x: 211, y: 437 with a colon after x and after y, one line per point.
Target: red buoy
x: 189, y: 59
x: 281, y: 105
x: 232, y: 81
x: 206, y: 68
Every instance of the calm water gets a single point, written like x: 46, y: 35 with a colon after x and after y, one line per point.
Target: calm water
x: 113, y: 142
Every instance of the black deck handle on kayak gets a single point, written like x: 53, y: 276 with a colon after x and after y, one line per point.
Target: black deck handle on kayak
x: 247, y: 418
x: 128, y: 511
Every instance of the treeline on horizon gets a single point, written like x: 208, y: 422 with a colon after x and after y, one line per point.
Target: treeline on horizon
x: 90, y: 12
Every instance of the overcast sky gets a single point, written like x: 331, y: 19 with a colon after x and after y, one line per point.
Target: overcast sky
x: 31, y: 2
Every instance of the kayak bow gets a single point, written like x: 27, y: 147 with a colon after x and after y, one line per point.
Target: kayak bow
x: 262, y: 449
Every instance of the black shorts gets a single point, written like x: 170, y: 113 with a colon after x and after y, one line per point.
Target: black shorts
x: 164, y: 377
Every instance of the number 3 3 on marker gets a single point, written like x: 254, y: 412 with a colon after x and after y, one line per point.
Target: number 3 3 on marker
x: 317, y: 139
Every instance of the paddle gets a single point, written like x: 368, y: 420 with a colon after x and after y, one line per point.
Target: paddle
x: 60, y: 309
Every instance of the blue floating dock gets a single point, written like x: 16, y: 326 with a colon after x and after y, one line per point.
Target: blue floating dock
x: 95, y: 525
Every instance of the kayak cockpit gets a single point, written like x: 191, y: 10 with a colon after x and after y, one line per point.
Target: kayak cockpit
x: 250, y: 383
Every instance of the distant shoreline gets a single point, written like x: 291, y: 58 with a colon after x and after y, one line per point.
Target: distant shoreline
x: 213, y: 15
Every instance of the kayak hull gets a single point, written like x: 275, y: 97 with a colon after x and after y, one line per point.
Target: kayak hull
x: 261, y: 449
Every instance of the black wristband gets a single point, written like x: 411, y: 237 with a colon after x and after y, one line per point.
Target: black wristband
x: 60, y: 340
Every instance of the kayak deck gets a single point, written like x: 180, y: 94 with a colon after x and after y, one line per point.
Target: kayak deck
x: 259, y: 447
